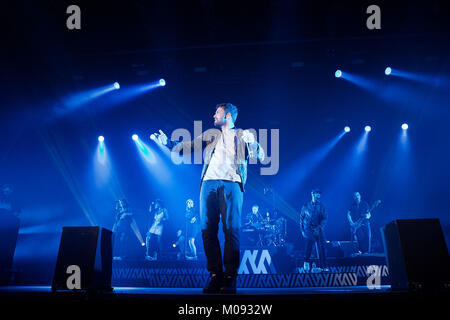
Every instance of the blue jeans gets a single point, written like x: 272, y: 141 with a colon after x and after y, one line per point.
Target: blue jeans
x: 221, y: 199
x: 320, y: 240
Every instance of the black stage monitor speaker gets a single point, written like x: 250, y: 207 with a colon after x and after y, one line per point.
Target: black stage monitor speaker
x: 84, y: 259
x: 417, y: 254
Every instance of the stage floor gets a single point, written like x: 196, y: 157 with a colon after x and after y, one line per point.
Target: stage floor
x: 175, y: 303
x: 190, y: 292
x: 172, y: 297
x: 362, y: 293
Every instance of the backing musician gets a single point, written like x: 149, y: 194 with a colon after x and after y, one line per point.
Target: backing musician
x: 122, y: 229
x: 254, y: 223
x: 313, y: 219
x: 358, y: 216
x: 192, y: 228
x: 254, y: 218
x: 153, y: 239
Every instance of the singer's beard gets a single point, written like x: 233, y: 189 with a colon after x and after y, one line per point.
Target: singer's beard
x: 219, y: 124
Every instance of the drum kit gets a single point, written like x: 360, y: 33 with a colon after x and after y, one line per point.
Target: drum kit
x: 268, y: 233
x: 268, y: 230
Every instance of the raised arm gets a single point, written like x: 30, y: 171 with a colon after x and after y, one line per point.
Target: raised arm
x: 186, y: 146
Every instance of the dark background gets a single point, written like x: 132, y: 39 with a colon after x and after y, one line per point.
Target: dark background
x: 275, y: 60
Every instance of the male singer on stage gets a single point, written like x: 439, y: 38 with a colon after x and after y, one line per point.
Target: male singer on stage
x: 221, y: 193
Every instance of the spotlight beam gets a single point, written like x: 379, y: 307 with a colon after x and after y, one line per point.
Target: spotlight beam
x: 79, y: 99
x: 305, y: 166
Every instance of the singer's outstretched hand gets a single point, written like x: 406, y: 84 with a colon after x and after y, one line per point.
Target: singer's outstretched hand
x: 162, y: 138
x: 248, y: 137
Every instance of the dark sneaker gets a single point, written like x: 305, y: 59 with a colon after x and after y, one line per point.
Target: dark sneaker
x: 214, y: 284
x: 229, y: 285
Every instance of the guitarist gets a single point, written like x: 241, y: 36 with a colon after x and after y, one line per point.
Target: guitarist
x: 358, y: 216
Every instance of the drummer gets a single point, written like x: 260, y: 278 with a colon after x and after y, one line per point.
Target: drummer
x: 254, y: 218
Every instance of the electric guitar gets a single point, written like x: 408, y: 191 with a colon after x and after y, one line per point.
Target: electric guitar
x: 358, y: 223
x: 124, y: 215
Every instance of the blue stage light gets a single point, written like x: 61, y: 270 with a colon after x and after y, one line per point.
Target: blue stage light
x: 347, y: 129
x: 405, y: 126
x: 116, y: 85
x: 101, y: 139
x: 74, y: 101
x: 152, y: 137
x: 135, y: 137
x: 387, y: 71
x: 368, y: 128
x: 338, y: 73
x: 162, y: 82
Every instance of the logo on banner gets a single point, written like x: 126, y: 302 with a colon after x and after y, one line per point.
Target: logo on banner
x: 249, y: 260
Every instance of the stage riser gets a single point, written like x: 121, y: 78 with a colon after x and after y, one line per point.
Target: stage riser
x: 258, y: 269
x: 243, y: 281
x: 197, y: 278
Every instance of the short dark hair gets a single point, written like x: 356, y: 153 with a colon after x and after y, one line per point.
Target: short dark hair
x: 229, y: 108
